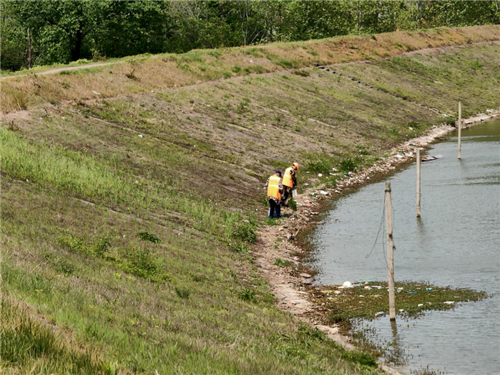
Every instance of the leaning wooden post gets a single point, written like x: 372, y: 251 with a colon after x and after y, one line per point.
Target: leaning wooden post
x: 418, y: 182
x: 390, y: 250
x: 459, y: 125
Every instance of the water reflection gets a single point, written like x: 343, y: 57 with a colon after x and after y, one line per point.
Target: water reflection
x: 455, y: 242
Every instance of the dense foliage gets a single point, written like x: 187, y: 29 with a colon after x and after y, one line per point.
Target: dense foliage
x: 64, y: 31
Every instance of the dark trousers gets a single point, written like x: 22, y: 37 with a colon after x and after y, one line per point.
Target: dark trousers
x: 287, y: 193
x: 274, y: 209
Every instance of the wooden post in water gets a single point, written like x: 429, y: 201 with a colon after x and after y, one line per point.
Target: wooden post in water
x: 459, y: 125
x: 418, y: 182
x: 390, y: 250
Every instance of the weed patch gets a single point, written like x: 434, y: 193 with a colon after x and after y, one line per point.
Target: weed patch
x: 282, y: 263
x: 146, y: 236
x: 370, y: 300
x: 247, y: 295
x: 245, y: 231
x: 182, y: 292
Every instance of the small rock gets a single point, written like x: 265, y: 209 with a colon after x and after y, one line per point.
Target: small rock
x: 305, y: 275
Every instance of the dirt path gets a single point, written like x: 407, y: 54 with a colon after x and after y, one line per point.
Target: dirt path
x: 57, y: 70
x: 424, y: 50
x: 278, y: 241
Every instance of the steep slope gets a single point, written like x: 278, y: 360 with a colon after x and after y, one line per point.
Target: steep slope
x: 130, y: 198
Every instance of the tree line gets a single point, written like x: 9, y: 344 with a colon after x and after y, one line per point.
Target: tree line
x: 47, y: 32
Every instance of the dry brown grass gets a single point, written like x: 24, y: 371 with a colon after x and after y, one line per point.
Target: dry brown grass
x: 158, y: 72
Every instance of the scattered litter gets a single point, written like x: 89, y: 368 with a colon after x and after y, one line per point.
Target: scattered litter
x: 305, y: 275
x: 324, y: 192
x: 141, y: 136
x: 95, y: 92
x: 367, y: 177
x: 367, y: 288
x: 420, y: 304
x: 337, y: 292
x: 412, y: 292
x: 306, y: 184
x: 399, y: 156
x: 430, y: 158
x: 428, y: 288
x: 334, y: 169
x: 347, y: 284
x: 449, y: 302
x: 401, y: 310
x: 380, y: 313
x: 320, y: 174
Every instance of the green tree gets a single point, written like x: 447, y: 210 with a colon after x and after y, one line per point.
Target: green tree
x: 14, y: 42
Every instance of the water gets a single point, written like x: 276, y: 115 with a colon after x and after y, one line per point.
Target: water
x: 456, y: 242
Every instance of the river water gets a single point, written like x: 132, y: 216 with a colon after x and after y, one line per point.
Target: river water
x: 456, y: 242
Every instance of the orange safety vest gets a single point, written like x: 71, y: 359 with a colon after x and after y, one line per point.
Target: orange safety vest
x: 273, y: 187
x: 287, y: 179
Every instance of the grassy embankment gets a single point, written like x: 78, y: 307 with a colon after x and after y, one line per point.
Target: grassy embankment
x: 128, y: 216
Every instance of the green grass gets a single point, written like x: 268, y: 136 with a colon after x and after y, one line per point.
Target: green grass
x: 27, y: 343
x: 129, y: 223
x: 371, y: 300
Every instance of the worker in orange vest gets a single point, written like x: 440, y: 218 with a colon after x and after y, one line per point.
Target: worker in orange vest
x: 274, y: 189
x: 289, y: 182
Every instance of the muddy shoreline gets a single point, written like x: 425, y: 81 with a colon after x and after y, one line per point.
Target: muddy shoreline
x: 292, y: 285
